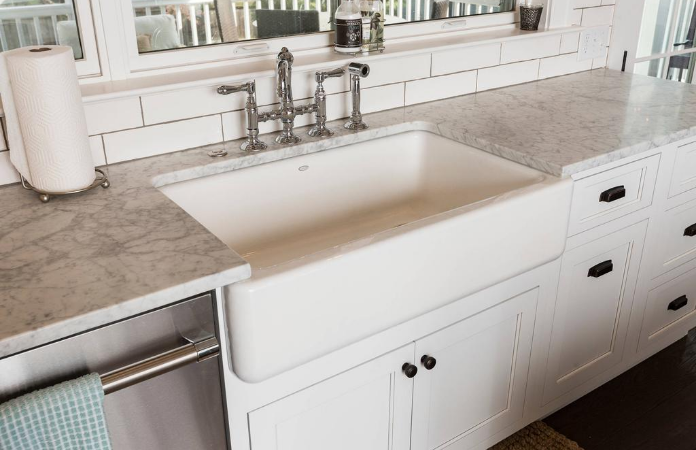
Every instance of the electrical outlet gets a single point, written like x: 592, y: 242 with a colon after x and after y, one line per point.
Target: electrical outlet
x: 593, y: 43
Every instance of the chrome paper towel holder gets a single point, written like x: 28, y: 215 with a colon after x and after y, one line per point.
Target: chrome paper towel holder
x: 45, y: 196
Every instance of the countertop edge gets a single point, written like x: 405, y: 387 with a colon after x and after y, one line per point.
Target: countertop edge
x: 47, y: 334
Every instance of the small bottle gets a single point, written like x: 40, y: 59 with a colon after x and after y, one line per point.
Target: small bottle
x: 372, y: 25
x: 348, y: 27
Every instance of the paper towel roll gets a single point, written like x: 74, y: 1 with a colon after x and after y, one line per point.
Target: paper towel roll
x: 45, y: 118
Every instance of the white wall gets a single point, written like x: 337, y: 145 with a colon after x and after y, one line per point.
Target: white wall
x: 146, y: 125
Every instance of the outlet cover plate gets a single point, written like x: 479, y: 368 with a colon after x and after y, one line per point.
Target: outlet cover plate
x: 593, y: 43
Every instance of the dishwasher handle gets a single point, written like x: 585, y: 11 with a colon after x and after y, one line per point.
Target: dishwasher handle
x: 157, y: 365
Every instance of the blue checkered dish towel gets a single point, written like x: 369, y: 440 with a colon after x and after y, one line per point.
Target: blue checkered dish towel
x: 67, y: 416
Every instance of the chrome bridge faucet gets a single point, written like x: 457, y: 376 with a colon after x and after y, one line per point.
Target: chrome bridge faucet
x: 287, y: 111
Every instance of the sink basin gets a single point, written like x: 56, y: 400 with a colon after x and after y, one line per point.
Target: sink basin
x: 351, y: 241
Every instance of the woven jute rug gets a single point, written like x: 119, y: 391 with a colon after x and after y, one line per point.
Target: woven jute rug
x: 537, y: 436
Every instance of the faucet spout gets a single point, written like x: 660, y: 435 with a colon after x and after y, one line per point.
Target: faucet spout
x: 287, y: 110
x: 284, y: 75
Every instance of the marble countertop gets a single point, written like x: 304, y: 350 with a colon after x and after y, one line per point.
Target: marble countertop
x: 81, y: 262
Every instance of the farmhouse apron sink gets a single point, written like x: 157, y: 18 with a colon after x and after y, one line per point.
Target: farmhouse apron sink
x: 351, y: 241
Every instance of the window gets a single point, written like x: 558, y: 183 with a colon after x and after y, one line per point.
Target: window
x: 52, y: 22
x: 664, y: 47
x: 165, y: 25
x: 142, y: 49
x: 36, y: 22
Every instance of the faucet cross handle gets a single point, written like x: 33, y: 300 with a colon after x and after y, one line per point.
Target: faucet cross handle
x: 320, y: 77
x: 252, y: 143
x: 249, y: 88
x: 320, y: 129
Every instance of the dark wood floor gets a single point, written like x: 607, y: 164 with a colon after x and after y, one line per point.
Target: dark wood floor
x: 652, y: 406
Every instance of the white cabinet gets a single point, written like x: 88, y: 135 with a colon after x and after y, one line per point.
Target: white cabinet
x: 684, y: 172
x: 475, y: 389
x: 668, y: 304
x: 676, y: 238
x: 477, y: 385
x: 368, y: 407
x: 612, y: 194
x: 595, y: 296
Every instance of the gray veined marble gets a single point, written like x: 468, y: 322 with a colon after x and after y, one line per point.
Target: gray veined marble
x: 81, y: 262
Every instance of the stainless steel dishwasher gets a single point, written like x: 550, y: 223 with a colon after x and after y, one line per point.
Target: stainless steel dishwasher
x: 160, y: 372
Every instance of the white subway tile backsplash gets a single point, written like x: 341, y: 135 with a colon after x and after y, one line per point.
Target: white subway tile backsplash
x: 585, y: 3
x: 136, y: 127
x: 562, y: 65
x: 600, y: 62
x: 96, y: 144
x: 570, y: 42
x: 397, y: 70
x: 608, y: 2
x: 379, y: 99
x: 113, y: 115
x: 524, y: 50
x: 158, y: 139
x: 465, y: 59
x: 233, y: 125
x: 507, y: 75
x: 575, y: 16
x: 188, y: 103
x: 8, y: 174
x: 436, y: 88
x: 594, y: 17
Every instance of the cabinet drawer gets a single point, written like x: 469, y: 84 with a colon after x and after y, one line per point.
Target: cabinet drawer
x: 594, y: 301
x: 612, y: 194
x: 677, y: 241
x: 684, y: 172
x: 668, y: 306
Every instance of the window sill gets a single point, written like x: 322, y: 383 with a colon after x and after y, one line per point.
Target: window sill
x: 263, y: 67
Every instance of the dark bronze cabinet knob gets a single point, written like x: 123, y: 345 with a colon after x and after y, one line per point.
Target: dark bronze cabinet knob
x: 428, y: 362
x: 409, y: 370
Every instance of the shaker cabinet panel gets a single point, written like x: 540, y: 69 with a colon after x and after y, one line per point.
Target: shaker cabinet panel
x: 677, y: 238
x: 668, y: 306
x: 609, y: 195
x: 368, y: 407
x: 684, y: 172
x: 472, y: 376
x: 594, y: 300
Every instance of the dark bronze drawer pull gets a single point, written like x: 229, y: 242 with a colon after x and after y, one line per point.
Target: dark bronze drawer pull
x: 613, y: 194
x: 677, y: 304
x: 690, y: 230
x: 600, y: 269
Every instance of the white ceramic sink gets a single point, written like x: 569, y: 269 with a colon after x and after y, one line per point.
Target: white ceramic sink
x: 351, y: 241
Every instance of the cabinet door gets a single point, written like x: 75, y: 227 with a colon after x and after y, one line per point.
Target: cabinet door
x: 595, y: 295
x: 476, y: 387
x: 368, y: 407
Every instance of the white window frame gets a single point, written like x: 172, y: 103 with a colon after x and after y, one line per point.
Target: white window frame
x: 125, y: 61
x: 88, y: 16
x: 628, y: 19
x: 88, y: 19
